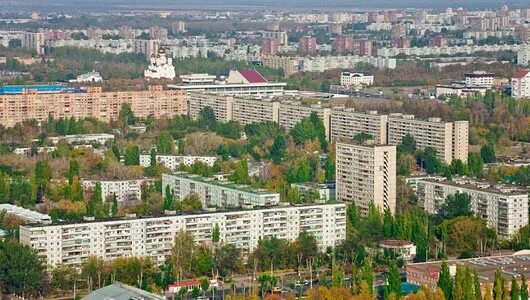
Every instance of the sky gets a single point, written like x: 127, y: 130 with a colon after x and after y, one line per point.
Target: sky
x: 219, y: 4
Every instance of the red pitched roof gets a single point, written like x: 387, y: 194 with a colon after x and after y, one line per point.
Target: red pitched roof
x: 520, y: 74
x: 252, y: 76
x: 185, y: 283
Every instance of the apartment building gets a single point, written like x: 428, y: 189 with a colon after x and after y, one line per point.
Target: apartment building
x: 450, y: 140
x: 270, y: 46
x: 125, y: 190
x: 503, y: 207
x: 154, y: 237
x: 218, y: 193
x: 34, y: 41
x: 146, y: 47
x: 222, y: 105
x: 292, y: 113
x: 366, y: 174
x: 346, y: 123
x: 523, y: 55
x: 343, y: 44
x: 247, y: 111
x: 307, y: 45
x: 289, y: 65
x: 90, y: 138
x: 521, y: 84
x: 172, y: 162
x: 480, y: 78
x: 104, y: 106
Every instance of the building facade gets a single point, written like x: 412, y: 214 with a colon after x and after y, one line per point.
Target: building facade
x: 346, y: 123
x: 218, y: 193
x: 501, y: 206
x: 172, y: 162
x: 125, y: 190
x: 521, y: 84
x: 348, y: 79
x: 34, y: 41
x: 366, y: 174
x: 292, y: 113
x: 154, y: 237
x: 104, y: 106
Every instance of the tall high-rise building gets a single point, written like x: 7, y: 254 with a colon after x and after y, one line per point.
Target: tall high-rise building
x: 34, y: 41
x: 523, y: 55
x: 335, y: 28
x: 343, y: 44
x: 521, y: 84
x: 307, y: 45
x: 146, y: 47
x: 362, y: 47
x: 157, y: 33
x: 178, y: 27
x: 270, y: 46
x: 366, y: 174
x: 439, y: 41
x: 127, y: 33
x: 94, y: 33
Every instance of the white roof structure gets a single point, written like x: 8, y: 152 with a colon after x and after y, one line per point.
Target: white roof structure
x: 29, y: 216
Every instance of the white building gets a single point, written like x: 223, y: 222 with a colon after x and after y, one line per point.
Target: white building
x: 125, y: 190
x: 172, y: 162
x: 99, y: 138
x: 521, y: 84
x: 197, y: 79
x: 346, y: 123
x: 480, y: 79
x: 366, y: 174
x: 27, y: 151
x: 154, y: 237
x: 348, y: 79
x: 503, y: 207
x: 160, y: 66
x: 447, y: 50
x: 523, y: 55
x: 27, y: 215
x: 217, y: 193
x: 88, y: 77
x: 324, y: 191
x: 459, y: 90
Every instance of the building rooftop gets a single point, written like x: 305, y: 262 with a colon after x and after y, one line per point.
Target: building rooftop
x: 39, y: 88
x: 225, y: 184
x: 480, y: 185
x: 395, y: 243
x: 252, y: 76
x: 120, y: 291
x: 510, y: 265
x: 520, y: 74
x: 29, y: 216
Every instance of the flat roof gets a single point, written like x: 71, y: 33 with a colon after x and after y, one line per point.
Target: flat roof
x: 221, y: 183
x: 216, y: 86
x: 480, y: 185
x: 510, y: 265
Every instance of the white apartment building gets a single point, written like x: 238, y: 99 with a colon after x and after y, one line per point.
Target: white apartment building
x: 503, y: 207
x: 449, y: 139
x: 480, y: 78
x: 154, y: 237
x: 247, y: 111
x: 521, y: 84
x: 218, y: 193
x: 346, y: 123
x: 348, y: 79
x: 292, y: 113
x: 99, y: 138
x: 366, y: 174
x: 146, y: 47
x: 125, y: 190
x: 172, y: 162
x: 323, y: 63
x: 34, y: 41
x: 448, y: 50
x: 523, y: 55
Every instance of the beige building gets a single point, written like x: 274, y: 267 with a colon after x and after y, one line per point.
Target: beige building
x: 450, y: 140
x: 247, y: 111
x: 346, y: 122
x: 292, y: 113
x: 104, y: 106
x: 289, y: 65
x: 366, y: 174
x: 146, y: 47
x: 34, y: 41
x: 222, y: 105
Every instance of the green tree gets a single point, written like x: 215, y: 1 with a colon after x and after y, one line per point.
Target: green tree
x: 240, y: 174
x: 216, y: 234
x: 476, y: 286
x: 75, y: 190
x: 182, y: 254
x: 227, y: 260
x: 445, y: 283
x: 43, y: 172
x: 116, y: 152
x: 132, y: 156
x: 277, y: 149
x: 367, y: 274
x: 168, y: 198
x: 207, y: 118
x: 202, y: 261
x: 428, y: 160
x: 475, y: 164
x: 524, y: 288
x: 164, y: 143
x: 360, y: 138
x: 487, y: 152
x: 498, y: 285
x: 152, y: 157
x: 64, y: 278
x: 73, y: 169
x: 5, y: 188
x: 337, y: 275
x: 514, y: 292
x: 126, y: 115
x: 393, y: 280
x: 22, y: 271
x: 456, y: 205
x: 408, y: 144
x: 205, y: 285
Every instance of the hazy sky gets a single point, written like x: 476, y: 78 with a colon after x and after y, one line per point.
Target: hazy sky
x: 317, y: 4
